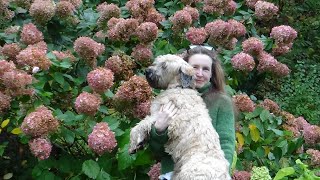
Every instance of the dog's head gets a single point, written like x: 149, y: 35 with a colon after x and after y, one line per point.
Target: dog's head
x: 169, y: 71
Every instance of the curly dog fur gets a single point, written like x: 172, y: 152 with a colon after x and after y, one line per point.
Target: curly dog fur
x: 193, y: 142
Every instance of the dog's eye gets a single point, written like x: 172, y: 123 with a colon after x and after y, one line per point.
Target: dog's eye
x: 163, y: 65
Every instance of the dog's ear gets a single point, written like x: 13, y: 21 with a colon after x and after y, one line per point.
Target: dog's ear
x: 187, y: 76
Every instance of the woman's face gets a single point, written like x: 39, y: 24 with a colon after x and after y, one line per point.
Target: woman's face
x: 202, y: 65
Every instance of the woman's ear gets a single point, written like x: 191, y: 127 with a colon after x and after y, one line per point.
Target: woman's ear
x: 187, y: 76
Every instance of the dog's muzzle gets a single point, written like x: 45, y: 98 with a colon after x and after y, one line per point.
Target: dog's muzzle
x: 151, y: 78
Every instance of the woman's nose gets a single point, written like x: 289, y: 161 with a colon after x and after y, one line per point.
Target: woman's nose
x: 199, y: 72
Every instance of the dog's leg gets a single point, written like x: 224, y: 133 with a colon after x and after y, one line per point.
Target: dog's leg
x: 140, y: 133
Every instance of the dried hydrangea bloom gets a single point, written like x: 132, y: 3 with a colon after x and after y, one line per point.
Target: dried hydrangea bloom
x: 311, y: 134
x: 301, y: 122
x: 270, y: 105
x: 12, y: 30
x: 141, y: 110
x: 102, y: 139
x: 283, y: 35
x: 39, y: 122
x: 25, y: 4
x: 196, y: 36
x: 16, y: 79
x: 243, y: 62
x: 100, y: 80
x: 155, y: 171
x: 241, y: 175
x: 230, y: 43
x: 218, y: 29
x: 88, y: 49
x: 138, y: 7
x: 107, y: 11
x: 76, y: 3
x: 5, y: 13
x: 101, y: 35
x: 315, y: 156
x: 238, y: 29
x: 251, y: 3
x: 281, y: 49
x: 181, y: 19
x: 5, y: 102
x: 154, y: 16
x: 61, y: 55
x: 42, y: 10
x: 11, y: 50
x: 87, y: 103
x: 267, y: 62
x: 217, y: 3
x: 30, y: 34
x: 288, y: 117
x: 147, y: 32
x: 281, y: 70
x: 244, y: 103
x: 292, y: 128
x: 194, y: 13
x: 122, y: 30
x: 212, y: 9
x: 34, y: 56
x: 265, y: 10
x: 230, y: 8
x: 253, y: 46
x: 40, y: 148
x: 121, y: 65
x: 136, y: 89
x: 64, y: 9
x: 142, y: 54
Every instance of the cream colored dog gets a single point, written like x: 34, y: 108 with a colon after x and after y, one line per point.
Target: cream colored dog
x: 193, y: 142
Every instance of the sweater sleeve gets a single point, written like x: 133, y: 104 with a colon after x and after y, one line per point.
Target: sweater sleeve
x: 157, y: 141
x: 225, y: 127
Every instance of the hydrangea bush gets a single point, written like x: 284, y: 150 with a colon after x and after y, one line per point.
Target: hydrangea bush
x: 72, y: 84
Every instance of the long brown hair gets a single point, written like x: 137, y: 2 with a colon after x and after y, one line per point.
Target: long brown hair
x: 217, y: 77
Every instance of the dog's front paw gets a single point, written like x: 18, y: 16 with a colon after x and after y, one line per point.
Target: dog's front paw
x: 137, y: 140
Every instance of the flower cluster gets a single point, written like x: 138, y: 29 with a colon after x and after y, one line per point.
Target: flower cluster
x: 194, y: 13
x: 180, y: 20
x: 147, y: 32
x: 5, y: 13
x: 265, y: 10
x: 39, y: 123
x: 155, y: 171
x: 64, y: 55
x: 40, y: 148
x: 42, y: 10
x: 88, y: 49
x: 121, y: 65
x: 267, y: 62
x: 122, y: 29
x: 243, y: 62
x: 100, y: 79
x: 25, y: 4
x: 154, y: 16
x: 253, y: 46
x: 144, y: 11
x: 251, y: 3
x: 102, y: 139
x: 238, y: 29
x: 34, y: 56
x: 87, y: 103
x: 244, y: 103
x: 241, y: 175
x: 64, y: 9
x: 196, y: 36
x: 270, y: 105
x: 30, y: 34
x: 11, y: 50
x: 6, y: 66
x: 107, y: 11
x: 315, y: 156
x: 76, y: 3
x: 260, y: 173
x: 227, y: 7
x: 16, y: 81
x: 311, y: 134
x: 142, y: 54
x: 12, y: 30
x: 189, y: 2
x: 5, y: 101
x: 142, y: 110
x: 284, y: 37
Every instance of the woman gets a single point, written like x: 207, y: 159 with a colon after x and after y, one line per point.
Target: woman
x: 210, y: 84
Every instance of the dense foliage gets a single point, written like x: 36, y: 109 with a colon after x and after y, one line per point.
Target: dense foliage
x: 72, y: 85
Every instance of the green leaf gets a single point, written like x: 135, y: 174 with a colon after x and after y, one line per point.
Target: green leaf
x: 124, y: 158
x: 68, y: 135
x: 284, y: 172
x: 91, y: 169
x: 2, y: 148
x: 265, y: 115
x: 109, y: 93
x: 103, y: 109
x: 254, y: 132
x: 103, y: 175
x: 5, y: 123
x: 58, y: 77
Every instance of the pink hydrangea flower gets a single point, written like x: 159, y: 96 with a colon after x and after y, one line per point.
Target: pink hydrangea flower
x: 281, y: 49
x: 102, y: 139
x: 267, y: 62
x: 230, y: 8
x: 196, y: 36
x: 244, y: 103
x: 16, y: 79
x: 243, y: 62
x: 218, y: 29
x: 76, y: 3
x: 241, y: 175
x: 60, y: 55
x: 281, y: 70
x: 311, y: 134
x: 252, y: 46
x: 107, y: 11
x: 6, y: 66
x: 40, y: 148
x: 231, y: 43
x: 30, y: 34
x: 5, y: 102
x: 154, y: 16
x: 194, y: 13
x: 138, y: 8
x: 100, y: 79
x: 315, y: 156
x: 292, y: 128
x: 141, y: 110
x: 283, y: 35
x: 270, y: 105
x: 155, y: 171
x: 12, y: 30
x: 40, y: 122
x: 142, y: 54
x: 64, y: 9
x: 265, y: 10
x: 147, y: 32
x: 87, y: 103
x: 181, y: 19
x: 301, y: 122
x: 251, y: 3
x: 11, y: 50
x: 121, y: 65
x: 122, y: 29
x: 42, y: 11
x: 238, y: 29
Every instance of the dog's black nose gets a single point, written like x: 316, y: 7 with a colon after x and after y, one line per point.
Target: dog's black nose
x: 148, y: 72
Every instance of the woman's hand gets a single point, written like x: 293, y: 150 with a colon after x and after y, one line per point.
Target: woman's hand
x: 166, y: 113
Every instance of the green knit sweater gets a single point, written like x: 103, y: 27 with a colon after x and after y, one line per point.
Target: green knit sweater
x: 222, y: 115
